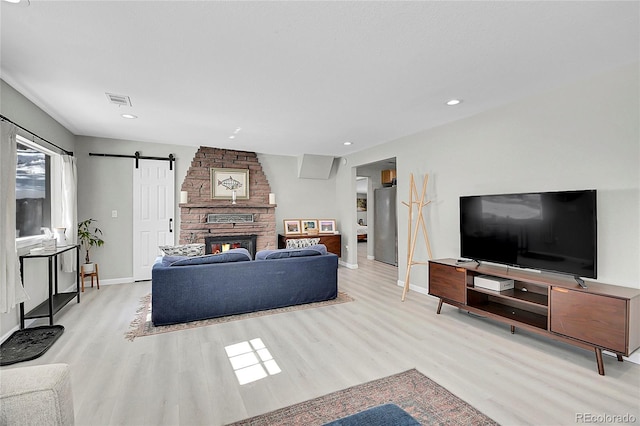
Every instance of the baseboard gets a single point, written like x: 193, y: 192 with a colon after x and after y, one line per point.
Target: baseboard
x: 14, y: 329
x: 27, y: 323
x: 634, y: 357
x: 112, y: 281
x: 348, y: 265
x: 371, y: 257
x: 415, y: 288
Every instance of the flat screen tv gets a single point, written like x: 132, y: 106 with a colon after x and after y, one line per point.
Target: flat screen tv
x: 551, y: 231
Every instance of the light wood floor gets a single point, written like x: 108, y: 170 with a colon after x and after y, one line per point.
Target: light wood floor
x: 185, y: 378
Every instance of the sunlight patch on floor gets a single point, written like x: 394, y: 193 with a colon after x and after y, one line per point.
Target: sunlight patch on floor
x: 251, y: 361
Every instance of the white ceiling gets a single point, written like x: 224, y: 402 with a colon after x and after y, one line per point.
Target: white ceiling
x: 299, y: 77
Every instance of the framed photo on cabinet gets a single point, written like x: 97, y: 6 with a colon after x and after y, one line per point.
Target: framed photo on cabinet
x: 327, y: 226
x: 291, y: 226
x: 309, y: 226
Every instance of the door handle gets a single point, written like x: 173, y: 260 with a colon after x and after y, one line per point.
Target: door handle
x: 170, y: 225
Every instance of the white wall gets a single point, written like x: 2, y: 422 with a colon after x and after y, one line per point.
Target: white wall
x: 106, y: 184
x: 299, y: 198
x: 582, y: 136
x: 24, y: 112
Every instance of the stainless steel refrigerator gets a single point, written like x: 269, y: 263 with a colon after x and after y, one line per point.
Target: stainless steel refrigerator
x: 385, y: 226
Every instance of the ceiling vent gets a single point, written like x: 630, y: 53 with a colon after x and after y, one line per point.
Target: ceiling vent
x: 119, y: 100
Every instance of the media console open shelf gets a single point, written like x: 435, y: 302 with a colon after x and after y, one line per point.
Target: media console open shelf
x: 599, y: 317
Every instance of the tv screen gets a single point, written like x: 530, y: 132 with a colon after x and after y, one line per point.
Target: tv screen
x: 553, y: 231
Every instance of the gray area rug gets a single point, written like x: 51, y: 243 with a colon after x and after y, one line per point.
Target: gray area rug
x: 422, y: 398
x: 29, y: 343
x: 142, y: 325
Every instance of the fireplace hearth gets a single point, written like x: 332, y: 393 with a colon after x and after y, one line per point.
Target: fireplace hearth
x: 222, y: 243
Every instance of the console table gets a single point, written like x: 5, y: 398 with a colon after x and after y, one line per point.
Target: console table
x: 56, y: 300
x: 598, y: 317
x: 333, y: 242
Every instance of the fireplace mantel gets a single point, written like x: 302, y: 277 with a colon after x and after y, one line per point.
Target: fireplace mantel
x: 228, y: 205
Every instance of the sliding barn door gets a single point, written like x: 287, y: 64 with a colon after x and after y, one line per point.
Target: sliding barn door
x: 153, y: 224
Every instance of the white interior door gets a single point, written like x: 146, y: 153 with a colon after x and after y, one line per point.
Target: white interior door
x: 153, y: 224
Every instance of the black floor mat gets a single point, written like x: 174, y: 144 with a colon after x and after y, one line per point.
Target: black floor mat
x: 29, y: 343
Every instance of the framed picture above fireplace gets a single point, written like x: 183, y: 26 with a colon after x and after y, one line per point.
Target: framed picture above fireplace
x: 230, y: 184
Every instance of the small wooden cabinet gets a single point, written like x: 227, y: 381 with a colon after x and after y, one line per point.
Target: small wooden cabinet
x: 387, y: 176
x: 599, y: 317
x: 333, y: 242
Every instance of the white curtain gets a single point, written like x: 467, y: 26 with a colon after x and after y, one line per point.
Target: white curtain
x: 11, y: 290
x: 68, y: 209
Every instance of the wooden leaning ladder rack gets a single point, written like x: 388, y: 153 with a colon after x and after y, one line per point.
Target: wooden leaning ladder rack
x: 413, y: 232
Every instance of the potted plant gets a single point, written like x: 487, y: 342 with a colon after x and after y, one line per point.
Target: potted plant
x: 89, y: 236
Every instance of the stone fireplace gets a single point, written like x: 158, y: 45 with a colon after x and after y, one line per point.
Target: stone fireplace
x: 203, y: 217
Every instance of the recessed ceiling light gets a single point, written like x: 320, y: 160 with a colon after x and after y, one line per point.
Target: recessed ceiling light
x: 347, y: 143
x: 453, y: 102
x: 237, y: 130
x: 232, y: 137
x: 129, y: 116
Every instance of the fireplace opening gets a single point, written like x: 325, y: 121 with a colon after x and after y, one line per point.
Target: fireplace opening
x: 220, y: 244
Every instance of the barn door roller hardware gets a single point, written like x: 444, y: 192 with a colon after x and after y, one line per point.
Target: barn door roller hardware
x: 138, y: 157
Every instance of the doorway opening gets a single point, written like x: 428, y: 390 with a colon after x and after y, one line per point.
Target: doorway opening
x: 377, y: 220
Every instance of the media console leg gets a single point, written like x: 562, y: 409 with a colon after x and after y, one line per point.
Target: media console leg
x: 513, y: 329
x: 599, y: 361
x: 619, y: 357
x: 439, y: 306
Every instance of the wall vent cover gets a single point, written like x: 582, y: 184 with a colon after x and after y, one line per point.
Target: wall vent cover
x: 119, y: 100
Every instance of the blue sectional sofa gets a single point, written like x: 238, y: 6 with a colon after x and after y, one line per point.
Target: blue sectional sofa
x: 191, y: 289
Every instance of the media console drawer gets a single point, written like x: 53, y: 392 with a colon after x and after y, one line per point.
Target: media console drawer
x: 596, y: 319
x: 447, y: 282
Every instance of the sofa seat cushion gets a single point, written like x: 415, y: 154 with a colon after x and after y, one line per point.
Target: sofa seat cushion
x: 314, y: 250
x: 233, y: 255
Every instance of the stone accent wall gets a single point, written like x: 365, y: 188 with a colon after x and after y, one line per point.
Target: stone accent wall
x: 193, y: 214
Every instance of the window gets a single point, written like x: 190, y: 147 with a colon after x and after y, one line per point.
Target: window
x: 33, y: 189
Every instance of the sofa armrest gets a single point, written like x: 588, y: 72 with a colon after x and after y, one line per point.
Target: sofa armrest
x: 36, y: 395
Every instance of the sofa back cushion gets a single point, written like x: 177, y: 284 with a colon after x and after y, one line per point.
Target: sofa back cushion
x: 233, y: 255
x: 314, y: 250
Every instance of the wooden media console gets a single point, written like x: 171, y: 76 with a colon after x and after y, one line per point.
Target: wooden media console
x: 598, y: 317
